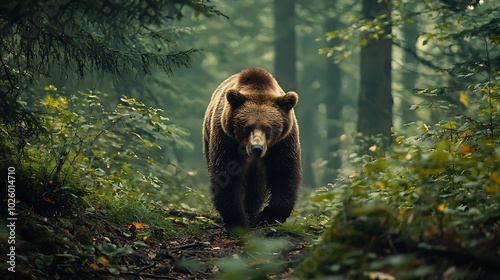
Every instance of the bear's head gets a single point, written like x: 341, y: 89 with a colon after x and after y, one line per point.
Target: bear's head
x: 258, y: 119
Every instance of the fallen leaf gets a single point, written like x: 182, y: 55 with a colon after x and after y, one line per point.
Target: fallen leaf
x: 379, y: 275
x: 466, y: 149
x: 48, y: 200
x: 137, y: 225
x: 449, y: 271
x: 103, y: 261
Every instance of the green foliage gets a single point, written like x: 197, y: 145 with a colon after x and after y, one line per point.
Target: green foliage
x: 132, y: 207
x: 358, y: 34
x: 75, y: 155
x: 69, y: 39
x: 92, y: 160
x: 422, y: 198
x: 87, y: 147
x: 260, y: 258
x: 429, y: 202
x: 471, y: 20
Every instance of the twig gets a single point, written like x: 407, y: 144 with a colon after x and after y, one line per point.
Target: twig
x: 148, y: 275
x: 182, y: 213
x: 6, y: 70
x: 145, y: 267
x: 391, y: 244
x: 198, y: 244
x: 415, y: 55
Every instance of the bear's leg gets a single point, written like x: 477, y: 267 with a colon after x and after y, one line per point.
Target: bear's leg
x: 228, y: 192
x: 283, y: 181
x: 281, y: 203
x: 255, y: 191
x: 226, y: 179
x: 229, y: 202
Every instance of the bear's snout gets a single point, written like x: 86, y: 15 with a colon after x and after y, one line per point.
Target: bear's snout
x: 257, y: 150
x: 257, y: 145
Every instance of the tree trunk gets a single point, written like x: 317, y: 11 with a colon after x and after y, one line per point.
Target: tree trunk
x: 334, y: 129
x: 410, y: 32
x: 375, y: 98
x: 286, y: 74
x: 284, y: 46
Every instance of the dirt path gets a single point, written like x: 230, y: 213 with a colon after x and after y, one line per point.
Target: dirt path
x: 90, y: 246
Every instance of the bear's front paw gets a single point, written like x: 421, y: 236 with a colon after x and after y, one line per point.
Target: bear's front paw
x: 266, y: 221
x: 272, y: 216
x: 237, y: 229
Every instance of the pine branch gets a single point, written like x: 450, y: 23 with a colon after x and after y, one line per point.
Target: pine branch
x: 82, y: 36
x: 425, y: 62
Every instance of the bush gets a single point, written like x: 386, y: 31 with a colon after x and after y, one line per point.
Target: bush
x: 86, y: 148
x: 427, y: 206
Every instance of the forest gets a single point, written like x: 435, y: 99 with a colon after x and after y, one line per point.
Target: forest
x: 101, y: 112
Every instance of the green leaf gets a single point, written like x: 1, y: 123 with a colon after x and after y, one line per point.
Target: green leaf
x: 50, y: 88
x: 427, y: 38
x: 450, y: 125
x: 107, y: 248
x: 414, y: 107
x: 113, y: 270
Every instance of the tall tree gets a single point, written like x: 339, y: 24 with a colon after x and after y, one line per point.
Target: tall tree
x: 332, y: 80
x: 284, y: 45
x: 286, y: 74
x: 410, y: 63
x: 375, y: 97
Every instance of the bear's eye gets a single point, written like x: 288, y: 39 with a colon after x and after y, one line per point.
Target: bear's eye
x: 248, y: 130
x: 267, y: 130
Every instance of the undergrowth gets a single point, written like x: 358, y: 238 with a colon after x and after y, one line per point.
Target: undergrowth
x: 91, y: 180
x: 424, y: 208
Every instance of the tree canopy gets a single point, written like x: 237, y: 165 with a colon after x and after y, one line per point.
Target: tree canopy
x: 119, y: 37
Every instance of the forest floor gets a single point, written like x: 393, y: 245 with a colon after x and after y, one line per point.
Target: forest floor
x: 89, y: 245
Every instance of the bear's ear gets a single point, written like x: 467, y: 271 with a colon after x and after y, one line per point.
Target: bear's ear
x: 235, y: 98
x: 288, y: 101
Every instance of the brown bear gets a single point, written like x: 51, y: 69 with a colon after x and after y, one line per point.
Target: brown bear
x: 251, y: 145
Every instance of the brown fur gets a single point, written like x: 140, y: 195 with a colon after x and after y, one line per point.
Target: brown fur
x: 257, y: 78
x: 251, y: 145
